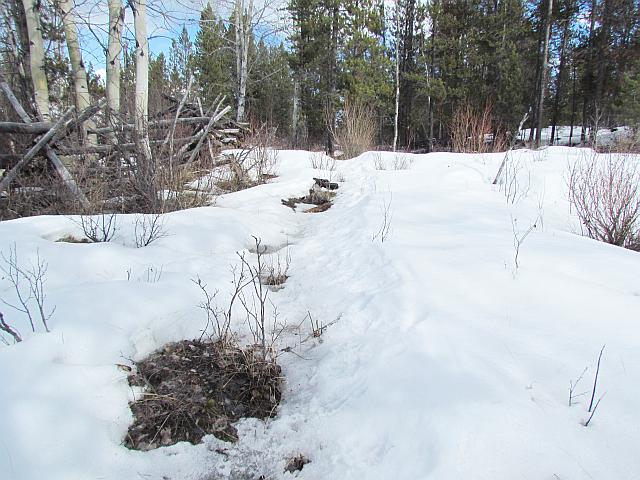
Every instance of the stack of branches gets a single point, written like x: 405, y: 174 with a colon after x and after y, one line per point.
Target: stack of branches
x: 179, y: 137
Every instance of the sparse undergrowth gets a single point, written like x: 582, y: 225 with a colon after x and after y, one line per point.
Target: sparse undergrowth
x: 195, y: 388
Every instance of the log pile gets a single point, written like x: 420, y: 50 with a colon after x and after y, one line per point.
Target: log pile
x: 177, y: 136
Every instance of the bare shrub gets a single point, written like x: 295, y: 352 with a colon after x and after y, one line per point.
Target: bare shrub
x: 604, y: 190
x: 512, y: 183
x: 249, y: 290
x: 472, y: 131
x: 320, y: 161
x: 185, y: 186
x: 356, y: 129
x: 276, y: 270
x: 384, y: 231
x: 255, y: 304
x: 101, y: 227
x: 252, y: 165
x: 28, y: 284
x: 401, y: 161
x: 378, y: 161
x: 519, y: 237
x: 218, y: 321
x: 148, y: 229
x: 263, y: 153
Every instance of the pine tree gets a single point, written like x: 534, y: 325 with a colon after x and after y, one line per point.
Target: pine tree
x: 212, y: 61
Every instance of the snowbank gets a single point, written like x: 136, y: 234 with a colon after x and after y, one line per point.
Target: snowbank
x: 445, y: 361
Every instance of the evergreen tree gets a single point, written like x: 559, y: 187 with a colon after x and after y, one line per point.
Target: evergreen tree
x: 212, y: 61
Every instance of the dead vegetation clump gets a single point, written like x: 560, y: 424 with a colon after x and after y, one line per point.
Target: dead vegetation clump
x: 71, y: 239
x: 472, y: 131
x: 356, y: 129
x: 296, y: 464
x: 195, y: 388
x: 252, y: 165
x: 320, y: 195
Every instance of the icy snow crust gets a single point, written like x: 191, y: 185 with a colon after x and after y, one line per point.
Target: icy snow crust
x: 446, y: 362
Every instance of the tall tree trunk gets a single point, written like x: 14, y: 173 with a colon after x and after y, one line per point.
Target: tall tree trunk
x: 556, y: 101
x: 587, y: 90
x: 114, y: 53
x: 604, y: 41
x: 432, y: 69
x: 81, y: 88
x: 141, y: 114
x: 397, y: 106
x: 573, y: 103
x: 243, y: 19
x: 36, y: 58
x: 544, y: 70
x: 534, y: 102
x: 332, y: 74
x: 295, y: 115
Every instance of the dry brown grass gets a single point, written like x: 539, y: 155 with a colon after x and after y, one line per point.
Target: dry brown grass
x: 356, y: 130
x: 472, y: 131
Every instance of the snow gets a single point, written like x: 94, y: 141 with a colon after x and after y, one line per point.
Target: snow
x: 606, y: 136
x: 443, y: 360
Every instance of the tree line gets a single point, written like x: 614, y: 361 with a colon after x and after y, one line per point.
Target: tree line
x: 414, y: 65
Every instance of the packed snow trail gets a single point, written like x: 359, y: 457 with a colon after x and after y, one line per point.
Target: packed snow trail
x: 442, y: 361
x: 447, y: 362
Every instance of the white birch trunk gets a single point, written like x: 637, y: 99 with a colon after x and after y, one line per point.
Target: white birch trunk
x: 244, y: 33
x: 114, y: 52
x: 142, y: 78
x: 36, y: 54
x: 81, y: 88
x: 239, y: 24
x: 295, y: 116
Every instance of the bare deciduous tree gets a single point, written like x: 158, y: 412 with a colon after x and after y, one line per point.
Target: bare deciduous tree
x: 81, y: 88
x: 36, y: 57
x: 114, y: 51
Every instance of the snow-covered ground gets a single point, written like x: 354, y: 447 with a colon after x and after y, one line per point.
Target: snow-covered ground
x: 445, y: 361
x: 564, y: 136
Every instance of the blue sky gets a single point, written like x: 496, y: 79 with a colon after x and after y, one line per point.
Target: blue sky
x: 165, y: 22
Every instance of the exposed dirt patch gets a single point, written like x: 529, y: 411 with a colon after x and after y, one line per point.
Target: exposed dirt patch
x: 320, y: 195
x: 195, y: 388
x: 296, y: 464
x: 72, y: 239
x: 323, y: 207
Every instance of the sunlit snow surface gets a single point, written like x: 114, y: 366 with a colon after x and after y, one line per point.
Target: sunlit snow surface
x: 445, y: 362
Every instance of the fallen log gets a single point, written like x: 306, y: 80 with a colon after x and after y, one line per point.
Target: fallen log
x: 60, y: 126
x: 119, y: 147
x: 31, y: 128
x: 152, y: 124
x: 51, y: 155
x: 213, y: 120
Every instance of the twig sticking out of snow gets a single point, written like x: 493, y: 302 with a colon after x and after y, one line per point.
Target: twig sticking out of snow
x: 595, y: 381
x: 34, y: 278
x: 573, y: 385
x: 5, y: 327
x: 385, y: 229
x: 520, y: 237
